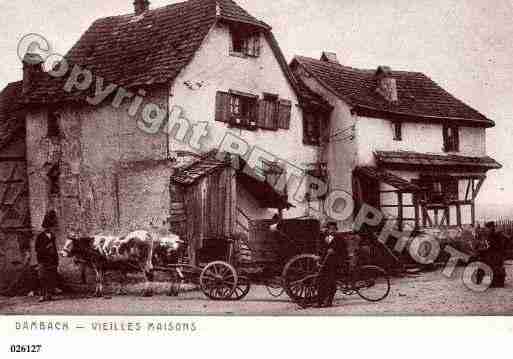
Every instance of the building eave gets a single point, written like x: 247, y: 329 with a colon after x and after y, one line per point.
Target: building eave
x: 370, y: 112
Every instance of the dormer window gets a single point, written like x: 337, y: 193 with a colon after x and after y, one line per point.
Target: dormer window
x: 451, y: 138
x: 244, y: 43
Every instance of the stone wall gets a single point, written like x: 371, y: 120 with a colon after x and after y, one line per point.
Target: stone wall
x: 91, y: 155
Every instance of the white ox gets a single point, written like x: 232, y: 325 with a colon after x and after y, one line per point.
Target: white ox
x: 136, y: 251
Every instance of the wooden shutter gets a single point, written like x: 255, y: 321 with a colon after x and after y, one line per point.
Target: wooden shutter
x: 261, y: 112
x: 456, y: 135
x: 285, y: 109
x: 256, y: 45
x: 446, y: 138
x: 222, y: 106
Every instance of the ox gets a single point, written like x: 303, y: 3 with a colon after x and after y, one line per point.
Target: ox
x: 135, y: 252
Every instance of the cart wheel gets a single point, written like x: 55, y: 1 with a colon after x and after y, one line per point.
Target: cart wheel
x: 371, y: 283
x: 275, y: 287
x: 218, y: 280
x: 300, y: 278
x: 242, y: 288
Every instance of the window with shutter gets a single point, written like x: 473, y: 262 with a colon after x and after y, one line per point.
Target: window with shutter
x: 244, y: 42
x: 284, y: 113
x: 237, y: 108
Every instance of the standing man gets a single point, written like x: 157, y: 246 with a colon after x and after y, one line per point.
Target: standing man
x: 495, y: 254
x: 332, y: 255
x: 47, y: 256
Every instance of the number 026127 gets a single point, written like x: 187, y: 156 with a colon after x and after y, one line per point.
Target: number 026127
x: 25, y: 348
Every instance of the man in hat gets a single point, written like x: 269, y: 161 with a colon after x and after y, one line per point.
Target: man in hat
x: 47, y: 256
x: 494, y: 256
x: 332, y: 255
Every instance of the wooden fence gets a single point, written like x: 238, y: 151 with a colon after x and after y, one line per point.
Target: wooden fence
x: 505, y: 226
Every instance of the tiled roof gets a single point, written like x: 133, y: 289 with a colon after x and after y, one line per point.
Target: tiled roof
x: 388, y: 178
x: 12, y: 115
x: 198, y: 169
x: 229, y: 10
x: 309, y: 97
x: 418, y: 95
x: 423, y: 159
x: 142, y: 50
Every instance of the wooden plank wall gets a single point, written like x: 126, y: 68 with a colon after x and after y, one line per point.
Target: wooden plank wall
x: 210, y: 208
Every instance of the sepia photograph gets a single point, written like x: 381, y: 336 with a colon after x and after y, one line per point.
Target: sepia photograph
x: 254, y: 158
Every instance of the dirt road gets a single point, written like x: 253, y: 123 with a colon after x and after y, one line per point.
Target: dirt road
x: 426, y: 294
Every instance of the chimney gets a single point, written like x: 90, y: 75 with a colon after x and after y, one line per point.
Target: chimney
x: 329, y: 57
x: 32, y: 67
x: 385, y: 84
x: 141, y: 6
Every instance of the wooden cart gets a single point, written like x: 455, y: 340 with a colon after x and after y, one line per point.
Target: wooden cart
x: 261, y: 258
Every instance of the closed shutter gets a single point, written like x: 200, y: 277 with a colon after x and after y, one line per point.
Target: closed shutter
x: 446, y: 139
x: 456, y: 134
x: 268, y: 114
x: 258, y: 45
x: 261, y: 112
x: 285, y: 109
x: 223, y: 106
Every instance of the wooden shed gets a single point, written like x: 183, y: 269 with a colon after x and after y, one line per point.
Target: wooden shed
x: 204, y: 207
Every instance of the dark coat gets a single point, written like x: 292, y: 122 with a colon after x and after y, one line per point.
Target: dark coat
x: 338, y: 245
x: 496, y: 252
x: 46, y: 250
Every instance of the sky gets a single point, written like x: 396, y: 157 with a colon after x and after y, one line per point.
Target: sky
x: 465, y: 46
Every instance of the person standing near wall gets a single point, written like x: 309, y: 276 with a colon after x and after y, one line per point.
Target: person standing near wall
x: 47, y: 256
x: 495, y: 255
x: 333, y: 253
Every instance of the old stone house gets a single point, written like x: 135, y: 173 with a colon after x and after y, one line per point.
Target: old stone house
x: 104, y: 166
x: 398, y: 141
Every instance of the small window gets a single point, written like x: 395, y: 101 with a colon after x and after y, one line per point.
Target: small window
x: 311, y: 129
x: 398, y: 131
x: 451, y: 138
x: 242, y: 110
x: 53, y: 125
x: 245, y: 43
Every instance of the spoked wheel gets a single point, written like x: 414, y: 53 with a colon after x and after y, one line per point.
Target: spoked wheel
x: 371, y: 283
x: 242, y: 288
x: 275, y: 287
x: 218, y: 280
x: 300, y: 278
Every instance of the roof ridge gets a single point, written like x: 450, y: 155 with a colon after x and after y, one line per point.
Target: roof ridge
x: 419, y: 95
x: 357, y: 68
